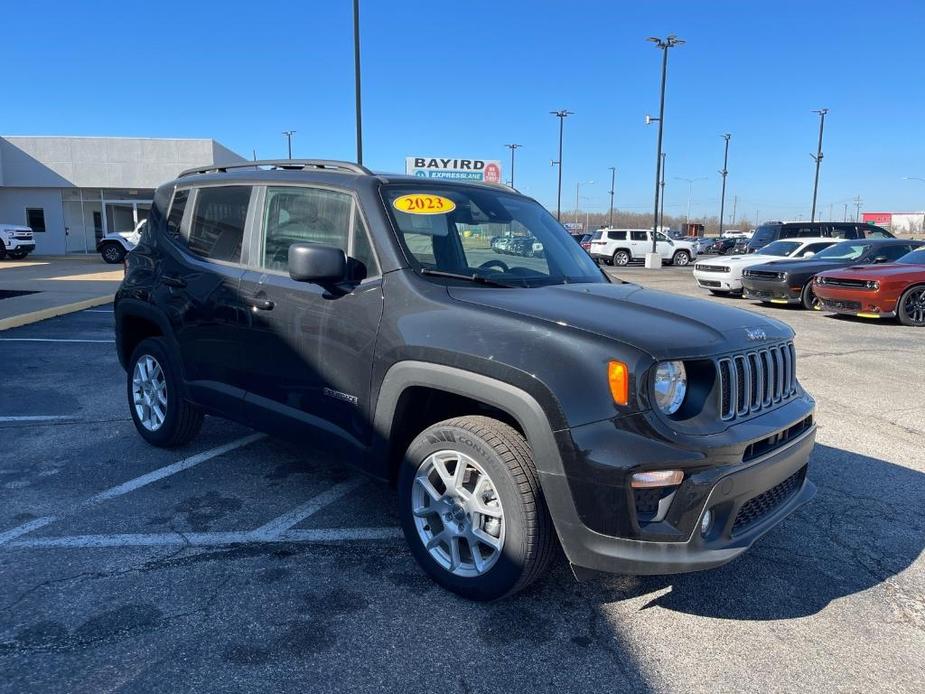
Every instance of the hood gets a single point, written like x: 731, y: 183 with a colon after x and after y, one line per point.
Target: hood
x: 807, y: 266
x: 663, y: 325
x: 736, y: 260
x: 880, y: 271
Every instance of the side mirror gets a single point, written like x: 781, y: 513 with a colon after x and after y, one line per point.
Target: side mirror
x: 881, y: 259
x: 309, y: 262
x: 809, y: 254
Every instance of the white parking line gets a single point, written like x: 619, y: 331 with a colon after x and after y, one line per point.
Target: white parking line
x: 278, y: 525
x: 216, y: 539
x: 50, y: 339
x: 131, y: 485
x: 38, y: 418
x: 98, y: 310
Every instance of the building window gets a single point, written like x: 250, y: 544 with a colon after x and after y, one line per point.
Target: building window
x: 35, y: 218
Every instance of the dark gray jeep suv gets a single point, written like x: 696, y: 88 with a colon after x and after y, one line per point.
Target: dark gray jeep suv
x: 519, y: 404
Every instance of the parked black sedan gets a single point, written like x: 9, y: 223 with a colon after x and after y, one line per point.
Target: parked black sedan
x: 790, y: 281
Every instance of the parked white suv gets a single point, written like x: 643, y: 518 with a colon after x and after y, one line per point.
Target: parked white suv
x: 116, y: 244
x: 620, y: 246
x: 723, y: 274
x: 16, y: 241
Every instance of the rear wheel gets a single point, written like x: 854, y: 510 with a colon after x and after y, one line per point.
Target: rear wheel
x: 112, y: 253
x: 161, y: 414
x: 808, y: 298
x: 911, y: 309
x: 620, y: 258
x: 472, y: 510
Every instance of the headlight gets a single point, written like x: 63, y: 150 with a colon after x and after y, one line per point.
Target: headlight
x: 782, y: 276
x: 873, y: 284
x: 670, y: 386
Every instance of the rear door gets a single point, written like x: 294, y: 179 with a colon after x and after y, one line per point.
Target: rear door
x: 309, y: 350
x: 639, y: 243
x: 199, y: 288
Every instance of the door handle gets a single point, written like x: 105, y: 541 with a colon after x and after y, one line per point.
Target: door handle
x: 260, y: 303
x: 172, y: 281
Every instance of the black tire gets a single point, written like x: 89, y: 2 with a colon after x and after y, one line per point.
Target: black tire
x: 620, y: 258
x: 18, y: 255
x: 808, y: 298
x: 182, y: 420
x: 681, y: 258
x: 112, y: 253
x: 718, y: 292
x: 911, y: 307
x: 529, y: 542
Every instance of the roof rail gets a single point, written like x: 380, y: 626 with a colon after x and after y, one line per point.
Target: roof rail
x: 283, y: 164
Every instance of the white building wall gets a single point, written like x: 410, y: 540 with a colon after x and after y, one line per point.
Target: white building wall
x: 908, y: 223
x: 13, y: 204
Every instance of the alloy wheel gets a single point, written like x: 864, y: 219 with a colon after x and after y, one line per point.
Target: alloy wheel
x: 457, y: 513
x: 914, y: 306
x: 149, y: 392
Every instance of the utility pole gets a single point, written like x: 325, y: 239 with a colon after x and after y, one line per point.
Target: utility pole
x: 653, y: 260
x: 722, y: 200
x: 858, y: 202
x: 255, y: 154
x: 356, y: 79
x: 817, y: 157
x: 661, y: 214
x: 613, y: 180
x: 512, y: 147
x: 690, y: 191
x: 735, y: 202
x: 846, y: 212
x: 561, y: 114
x: 577, y: 202
x: 289, y: 134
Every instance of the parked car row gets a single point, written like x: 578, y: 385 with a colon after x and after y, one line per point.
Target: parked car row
x: 865, y: 277
x: 526, y: 246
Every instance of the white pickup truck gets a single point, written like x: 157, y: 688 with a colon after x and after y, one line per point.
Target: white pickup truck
x: 16, y: 241
x: 620, y: 246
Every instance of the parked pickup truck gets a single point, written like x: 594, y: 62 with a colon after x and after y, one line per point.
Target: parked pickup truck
x: 518, y: 404
x: 16, y: 242
x: 620, y: 246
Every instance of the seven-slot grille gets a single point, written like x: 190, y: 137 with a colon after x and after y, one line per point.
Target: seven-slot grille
x: 753, y: 381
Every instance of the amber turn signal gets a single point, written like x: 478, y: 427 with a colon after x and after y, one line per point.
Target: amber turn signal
x: 618, y: 375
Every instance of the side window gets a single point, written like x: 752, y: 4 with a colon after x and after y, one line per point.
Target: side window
x: 177, y: 208
x: 217, y: 229
x: 892, y: 253
x: 616, y: 235
x: 813, y: 248
x: 303, y: 215
x: 639, y: 236
x: 363, y: 260
x: 35, y: 218
x: 845, y: 231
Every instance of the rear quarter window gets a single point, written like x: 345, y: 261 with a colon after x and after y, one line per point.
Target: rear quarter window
x: 616, y: 235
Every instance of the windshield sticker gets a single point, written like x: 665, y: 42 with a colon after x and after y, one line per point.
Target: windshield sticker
x: 423, y: 203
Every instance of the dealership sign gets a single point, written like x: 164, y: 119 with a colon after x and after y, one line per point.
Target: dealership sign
x: 488, y: 170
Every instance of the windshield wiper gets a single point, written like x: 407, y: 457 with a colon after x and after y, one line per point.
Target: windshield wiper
x: 481, y: 279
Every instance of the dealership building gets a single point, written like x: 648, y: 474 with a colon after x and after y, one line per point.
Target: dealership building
x: 900, y: 223
x: 74, y: 190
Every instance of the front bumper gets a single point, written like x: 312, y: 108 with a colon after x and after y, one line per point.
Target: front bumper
x: 599, y: 530
x: 16, y: 246
x: 718, y: 281
x: 774, y: 291
x: 864, y: 303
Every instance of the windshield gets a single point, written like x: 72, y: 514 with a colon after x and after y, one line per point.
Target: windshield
x: 763, y: 235
x: 780, y: 248
x: 843, y: 251
x: 491, y: 234
x: 916, y: 257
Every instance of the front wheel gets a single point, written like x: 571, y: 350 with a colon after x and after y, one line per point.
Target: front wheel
x: 681, y: 258
x: 112, y: 253
x: 18, y: 255
x: 621, y: 258
x: 911, y: 309
x: 808, y: 297
x: 161, y: 414
x: 472, y: 510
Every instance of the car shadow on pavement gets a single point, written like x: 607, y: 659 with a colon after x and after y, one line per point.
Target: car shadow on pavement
x: 864, y: 526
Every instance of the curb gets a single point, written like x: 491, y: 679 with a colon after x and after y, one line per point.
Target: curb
x: 45, y: 313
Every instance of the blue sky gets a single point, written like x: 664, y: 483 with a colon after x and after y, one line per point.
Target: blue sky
x: 463, y: 78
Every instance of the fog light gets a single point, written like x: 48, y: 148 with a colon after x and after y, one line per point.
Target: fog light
x: 656, y: 478
x: 706, y: 522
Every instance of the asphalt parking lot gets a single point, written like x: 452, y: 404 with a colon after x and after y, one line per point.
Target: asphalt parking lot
x: 242, y: 563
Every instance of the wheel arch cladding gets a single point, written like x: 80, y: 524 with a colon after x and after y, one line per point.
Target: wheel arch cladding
x: 134, y: 323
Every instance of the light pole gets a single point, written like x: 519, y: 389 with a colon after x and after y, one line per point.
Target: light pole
x: 289, y: 134
x: 613, y: 180
x: 577, y: 191
x: 722, y: 200
x: 356, y: 78
x: 653, y: 260
x: 661, y: 213
x: 561, y: 114
x: 817, y: 157
x: 512, y: 147
x: 690, y: 190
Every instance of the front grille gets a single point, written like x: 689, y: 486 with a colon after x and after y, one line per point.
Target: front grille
x: 842, y: 282
x: 709, y: 283
x: 759, y: 506
x: 841, y: 305
x: 753, y: 381
x: 763, y: 275
x: 710, y: 268
x: 23, y: 235
x: 775, y: 441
